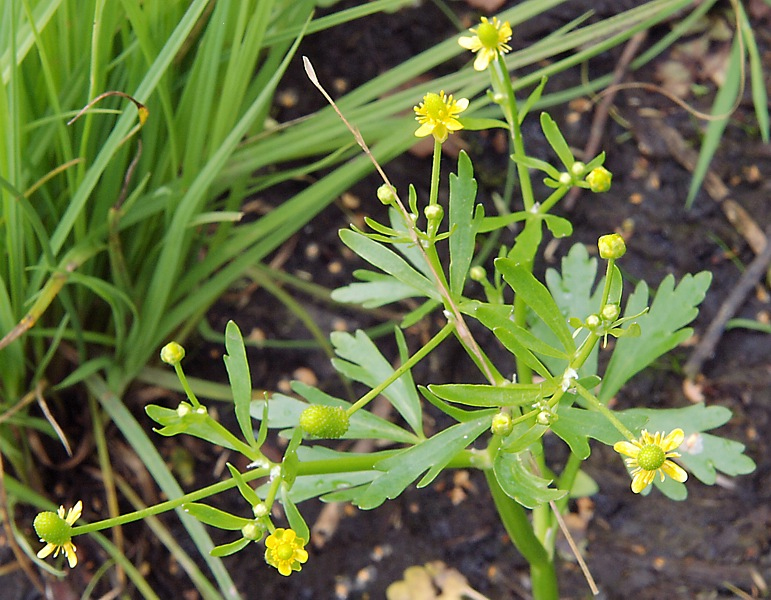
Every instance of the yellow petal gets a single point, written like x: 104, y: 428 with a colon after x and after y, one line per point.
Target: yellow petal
x: 46, y: 550
x: 72, y: 557
x: 469, y: 43
x: 673, y: 440
x: 675, y: 471
x: 482, y: 60
x: 424, y: 130
x: 461, y: 104
x: 641, y: 480
x: 453, y: 125
x: 627, y: 449
x: 300, y: 555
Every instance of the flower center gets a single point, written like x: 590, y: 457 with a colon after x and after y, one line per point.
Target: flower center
x: 651, y: 457
x: 284, y: 551
x: 488, y: 35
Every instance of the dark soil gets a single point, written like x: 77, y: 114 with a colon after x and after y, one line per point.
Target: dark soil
x: 715, y: 543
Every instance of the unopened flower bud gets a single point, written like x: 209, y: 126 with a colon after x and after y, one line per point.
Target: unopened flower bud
x: 172, y: 353
x: 546, y: 418
x: 565, y: 179
x: 592, y: 322
x: 610, y: 312
x: 477, y: 273
x: 502, y: 424
x: 599, y: 179
x: 577, y: 169
x: 253, y: 531
x: 611, y: 246
x: 434, y: 212
x: 386, y: 194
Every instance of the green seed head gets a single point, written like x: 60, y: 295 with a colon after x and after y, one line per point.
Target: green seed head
x: 52, y: 529
x: 651, y: 457
x: 324, y: 421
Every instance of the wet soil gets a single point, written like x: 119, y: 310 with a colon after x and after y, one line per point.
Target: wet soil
x: 711, y: 546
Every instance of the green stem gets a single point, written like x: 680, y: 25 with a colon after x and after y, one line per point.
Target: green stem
x: 502, y: 84
x: 138, y: 515
x: 186, y: 386
x: 411, y: 362
x: 609, y: 414
x: 434, y: 196
x: 514, y: 519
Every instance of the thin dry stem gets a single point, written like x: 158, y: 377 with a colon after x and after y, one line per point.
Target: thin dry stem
x: 462, y: 329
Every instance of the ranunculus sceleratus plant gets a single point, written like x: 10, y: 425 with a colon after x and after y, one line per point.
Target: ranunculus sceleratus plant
x: 552, y: 331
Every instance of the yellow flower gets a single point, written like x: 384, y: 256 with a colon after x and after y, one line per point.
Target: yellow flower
x: 488, y: 40
x: 55, y: 529
x: 285, y: 551
x: 437, y: 115
x: 649, y: 455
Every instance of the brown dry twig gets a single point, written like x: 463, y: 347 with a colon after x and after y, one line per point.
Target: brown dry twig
x: 735, y: 299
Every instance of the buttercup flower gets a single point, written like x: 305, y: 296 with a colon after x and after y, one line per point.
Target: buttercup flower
x: 488, y: 40
x: 437, y: 115
x: 649, y: 455
x: 285, y: 551
x: 55, y: 529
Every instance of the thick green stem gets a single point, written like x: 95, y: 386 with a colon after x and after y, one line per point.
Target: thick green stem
x: 514, y: 518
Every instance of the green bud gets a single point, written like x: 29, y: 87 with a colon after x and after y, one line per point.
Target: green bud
x: 565, y: 179
x: 502, y: 424
x: 477, y: 273
x: 577, y: 169
x: 599, y: 179
x: 546, y: 418
x: 324, y: 421
x: 611, y: 246
x: 434, y: 212
x: 592, y: 322
x: 386, y: 194
x: 52, y: 529
x: 260, y: 510
x: 253, y: 531
x: 172, y: 353
x: 610, y: 312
